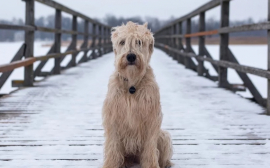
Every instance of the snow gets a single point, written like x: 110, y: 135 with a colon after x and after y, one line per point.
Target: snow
x: 59, y: 120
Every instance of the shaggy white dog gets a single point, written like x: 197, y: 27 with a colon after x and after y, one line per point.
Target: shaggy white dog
x: 132, y: 113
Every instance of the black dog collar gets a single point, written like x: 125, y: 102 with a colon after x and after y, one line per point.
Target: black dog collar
x: 132, y: 90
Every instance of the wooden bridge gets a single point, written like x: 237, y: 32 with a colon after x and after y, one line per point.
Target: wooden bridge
x: 57, y: 123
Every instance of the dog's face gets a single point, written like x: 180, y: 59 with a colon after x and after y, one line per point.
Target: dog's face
x: 133, y: 46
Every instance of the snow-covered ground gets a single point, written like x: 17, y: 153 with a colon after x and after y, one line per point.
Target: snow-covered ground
x: 58, y: 123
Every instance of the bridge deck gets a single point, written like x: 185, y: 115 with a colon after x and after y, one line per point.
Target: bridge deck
x: 58, y: 123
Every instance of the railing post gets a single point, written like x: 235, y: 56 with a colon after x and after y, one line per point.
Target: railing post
x: 99, y: 40
x: 93, y: 45
x: 224, y: 43
x: 104, y: 40
x: 57, y: 41
x: 268, y: 65
x: 188, y: 43
x: 201, y: 43
x: 29, y: 41
x: 74, y: 40
x: 180, y: 44
x: 86, y: 38
x: 109, y: 40
x: 174, y: 41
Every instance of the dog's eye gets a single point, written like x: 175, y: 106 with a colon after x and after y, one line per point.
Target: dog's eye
x: 139, y: 42
x: 122, y: 42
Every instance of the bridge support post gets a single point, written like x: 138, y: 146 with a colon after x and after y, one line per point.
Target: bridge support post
x: 104, y: 40
x: 93, y: 45
x: 224, y: 43
x: 86, y: 38
x: 180, y: 43
x: 74, y: 40
x: 57, y: 41
x: 109, y: 40
x: 99, y: 40
x: 268, y: 64
x: 200, y: 69
x: 188, y: 44
x: 174, y: 27
x: 29, y: 41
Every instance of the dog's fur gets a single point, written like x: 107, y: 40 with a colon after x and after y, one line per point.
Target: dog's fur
x: 132, y: 121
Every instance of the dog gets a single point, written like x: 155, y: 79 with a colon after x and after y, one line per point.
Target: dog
x: 131, y: 112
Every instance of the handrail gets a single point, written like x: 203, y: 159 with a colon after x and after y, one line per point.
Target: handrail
x: 24, y: 57
x: 169, y: 38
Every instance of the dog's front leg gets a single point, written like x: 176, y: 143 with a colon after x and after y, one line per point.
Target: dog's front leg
x: 149, y: 156
x: 113, y: 153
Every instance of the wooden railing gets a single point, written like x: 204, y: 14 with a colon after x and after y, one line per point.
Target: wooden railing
x: 169, y: 39
x: 100, y: 44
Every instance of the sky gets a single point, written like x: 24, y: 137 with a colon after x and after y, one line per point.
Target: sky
x: 163, y: 9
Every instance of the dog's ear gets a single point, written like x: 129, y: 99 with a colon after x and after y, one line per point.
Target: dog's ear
x: 145, y: 24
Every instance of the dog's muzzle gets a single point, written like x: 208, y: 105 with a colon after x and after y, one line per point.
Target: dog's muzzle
x: 131, y: 58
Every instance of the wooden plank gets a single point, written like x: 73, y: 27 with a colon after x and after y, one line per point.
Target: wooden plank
x: 63, y: 8
x: 29, y: 41
x: 18, y: 56
x: 51, y: 30
x: 169, y: 36
x: 17, y: 64
x: 16, y: 27
x: 201, y: 43
x: 226, y: 64
x: 247, y: 81
x: 202, y: 33
x: 57, y: 41
x: 210, y: 5
x: 224, y: 43
x: 249, y: 27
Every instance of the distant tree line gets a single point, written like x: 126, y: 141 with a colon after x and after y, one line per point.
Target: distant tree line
x: 111, y: 20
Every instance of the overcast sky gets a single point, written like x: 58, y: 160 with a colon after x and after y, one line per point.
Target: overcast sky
x: 163, y: 9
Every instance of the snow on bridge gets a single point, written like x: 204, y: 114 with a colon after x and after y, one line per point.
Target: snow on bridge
x: 58, y: 122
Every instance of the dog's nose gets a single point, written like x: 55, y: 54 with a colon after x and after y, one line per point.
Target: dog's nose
x: 131, y: 57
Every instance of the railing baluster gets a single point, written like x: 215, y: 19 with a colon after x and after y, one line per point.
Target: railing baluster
x: 174, y: 41
x: 29, y: 41
x: 224, y: 42
x: 104, y: 40
x: 180, y: 43
x: 57, y: 41
x: 99, y: 40
x: 93, y: 45
x: 86, y: 39
x: 188, y: 43
x: 74, y: 40
x: 201, y: 43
